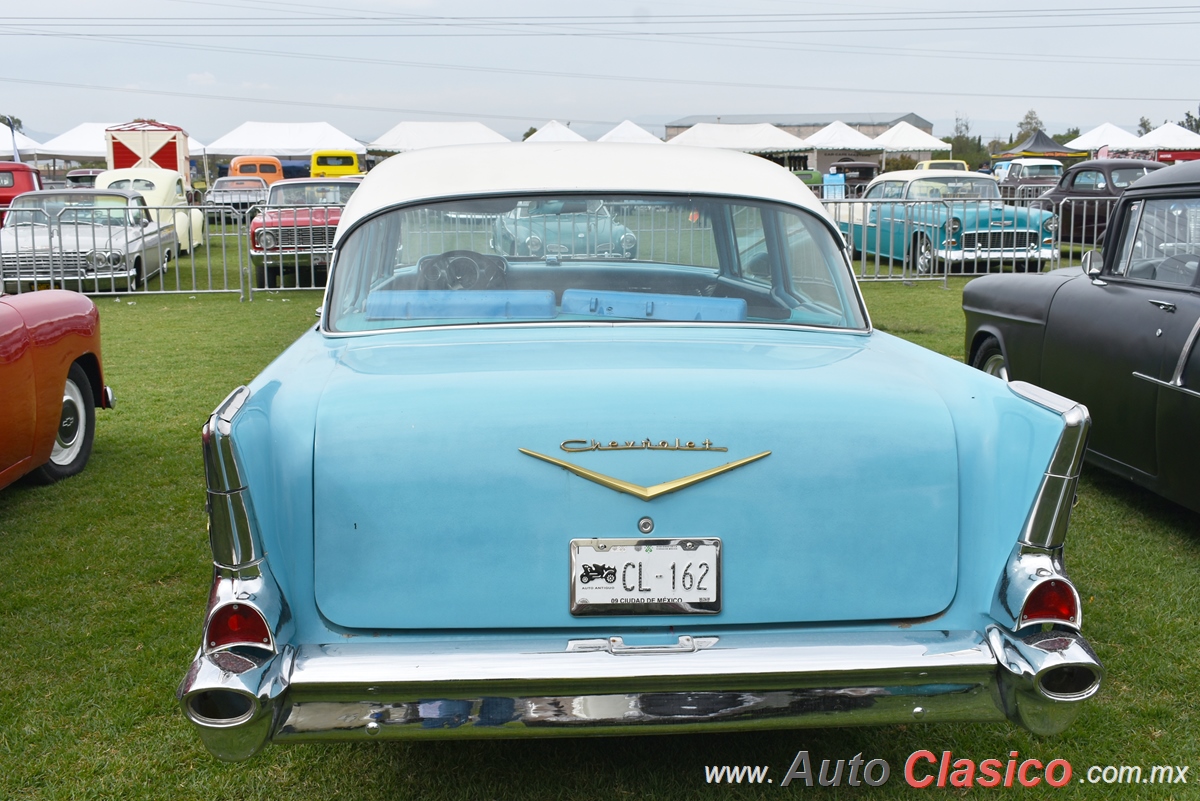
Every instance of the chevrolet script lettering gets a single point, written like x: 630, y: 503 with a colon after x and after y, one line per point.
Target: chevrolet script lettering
x: 583, y: 445
x: 637, y: 490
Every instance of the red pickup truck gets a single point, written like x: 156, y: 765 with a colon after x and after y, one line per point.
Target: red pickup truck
x: 16, y: 179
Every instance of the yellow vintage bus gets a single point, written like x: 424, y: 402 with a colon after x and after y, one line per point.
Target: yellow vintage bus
x: 326, y: 163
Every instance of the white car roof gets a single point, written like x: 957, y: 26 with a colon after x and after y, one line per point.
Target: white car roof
x: 519, y: 167
x: 913, y: 175
x: 1035, y: 162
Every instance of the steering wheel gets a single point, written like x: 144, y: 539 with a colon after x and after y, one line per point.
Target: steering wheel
x: 462, y: 269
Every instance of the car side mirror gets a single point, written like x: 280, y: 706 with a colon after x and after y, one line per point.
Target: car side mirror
x: 145, y: 221
x: 1091, y: 267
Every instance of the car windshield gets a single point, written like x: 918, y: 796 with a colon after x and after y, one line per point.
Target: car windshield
x: 1124, y: 176
x: 68, y: 208
x: 240, y: 183
x: 139, y: 184
x: 591, y: 259
x: 970, y: 185
x: 1041, y: 170
x: 330, y: 194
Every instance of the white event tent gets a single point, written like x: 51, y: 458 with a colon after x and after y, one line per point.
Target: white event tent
x: 759, y: 137
x: 25, y: 146
x: 283, y: 139
x: 904, y: 137
x: 85, y: 142
x: 555, y: 131
x: 420, y: 135
x: 629, y: 131
x: 837, y: 140
x: 1169, y: 137
x: 1105, y: 135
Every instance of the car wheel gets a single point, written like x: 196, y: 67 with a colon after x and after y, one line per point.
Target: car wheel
x: 990, y: 359
x: 920, y: 256
x: 76, y: 429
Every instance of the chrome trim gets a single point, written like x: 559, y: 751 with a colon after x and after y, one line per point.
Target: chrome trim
x: 545, y: 686
x: 1176, y: 381
x: 1050, y: 514
x: 1029, y: 663
x: 109, y: 399
x: 606, y: 324
x: 686, y: 644
x: 232, y: 526
x: 1028, y: 568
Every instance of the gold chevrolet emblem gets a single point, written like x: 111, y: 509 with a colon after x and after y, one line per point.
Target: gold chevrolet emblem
x: 637, y: 490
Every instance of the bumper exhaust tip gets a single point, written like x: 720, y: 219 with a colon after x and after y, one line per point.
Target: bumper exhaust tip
x: 1069, y: 682
x: 220, y: 707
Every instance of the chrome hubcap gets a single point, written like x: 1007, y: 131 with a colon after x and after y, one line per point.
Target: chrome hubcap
x: 995, y: 366
x: 69, y: 441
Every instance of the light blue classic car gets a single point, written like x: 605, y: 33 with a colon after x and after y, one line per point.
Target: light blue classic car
x: 939, y: 219
x: 564, y: 228
x: 512, y: 495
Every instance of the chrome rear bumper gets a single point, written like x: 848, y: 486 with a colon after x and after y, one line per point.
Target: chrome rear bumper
x: 540, y: 687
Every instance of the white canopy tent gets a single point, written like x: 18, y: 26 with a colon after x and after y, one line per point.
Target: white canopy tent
x: 420, y: 135
x: 837, y: 135
x: 86, y: 142
x: 904, y: 137
x: 283, y: 139
x: 1105, y: 135
x: 555, y: 131
x: 629, y: 131
x: 1169, y: 137
x: 25, y: 146
x: 759, y: 137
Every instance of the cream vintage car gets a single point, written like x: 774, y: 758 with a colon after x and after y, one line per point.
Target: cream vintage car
x: 166, y: 196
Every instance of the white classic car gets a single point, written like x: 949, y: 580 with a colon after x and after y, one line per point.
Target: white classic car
x: 88, y: 240
x: 167, y: 198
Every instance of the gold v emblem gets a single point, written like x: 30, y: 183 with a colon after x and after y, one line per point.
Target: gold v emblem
x: 637, y: 490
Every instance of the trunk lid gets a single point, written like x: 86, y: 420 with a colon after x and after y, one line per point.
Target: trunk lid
x: 428, y: 516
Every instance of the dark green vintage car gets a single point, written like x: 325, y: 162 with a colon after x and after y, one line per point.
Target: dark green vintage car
x: 558, y: 227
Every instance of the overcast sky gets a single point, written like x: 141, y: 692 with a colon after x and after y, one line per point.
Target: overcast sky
x: 365, y: 65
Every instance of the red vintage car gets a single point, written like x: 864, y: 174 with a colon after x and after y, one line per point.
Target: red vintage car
x: 294, y: 233
x: 51, y: 383
x: 16, y: 179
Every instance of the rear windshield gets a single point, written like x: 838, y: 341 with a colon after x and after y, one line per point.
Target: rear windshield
x: 591, y: 258
x: 974, y: 185
x: 1041, y: 170
x: 6, y: 179
x: 335, y: 161
x: 239, y: 183
x: 139, y: 184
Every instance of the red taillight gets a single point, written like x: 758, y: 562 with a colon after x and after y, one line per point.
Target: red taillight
x: 1050, y: 601
x: 237, y: 624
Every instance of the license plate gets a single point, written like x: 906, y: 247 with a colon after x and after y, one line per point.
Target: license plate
x: 646, y: 576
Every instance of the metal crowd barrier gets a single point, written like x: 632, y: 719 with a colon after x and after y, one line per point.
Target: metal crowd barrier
x: 178, y: 250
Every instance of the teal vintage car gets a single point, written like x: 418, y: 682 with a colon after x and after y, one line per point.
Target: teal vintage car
x: 563, y: 228
x: 934, y: 220
x: 506, y: 495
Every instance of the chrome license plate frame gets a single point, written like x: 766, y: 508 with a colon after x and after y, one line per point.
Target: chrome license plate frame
x: 644, y: 565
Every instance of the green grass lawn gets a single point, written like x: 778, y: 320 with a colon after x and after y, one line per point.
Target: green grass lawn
x: 107, y: 575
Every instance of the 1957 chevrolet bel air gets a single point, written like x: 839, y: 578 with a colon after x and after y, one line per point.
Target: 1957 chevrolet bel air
x: 503, y: 491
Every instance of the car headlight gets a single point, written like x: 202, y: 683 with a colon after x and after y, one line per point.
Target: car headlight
x: 1051, y: 224
x: 115, y: 258
x: 955, y: 225
x: 628, y: 242
x: 105, y: 258
x: 534, y: 243
x: 266, y: 239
